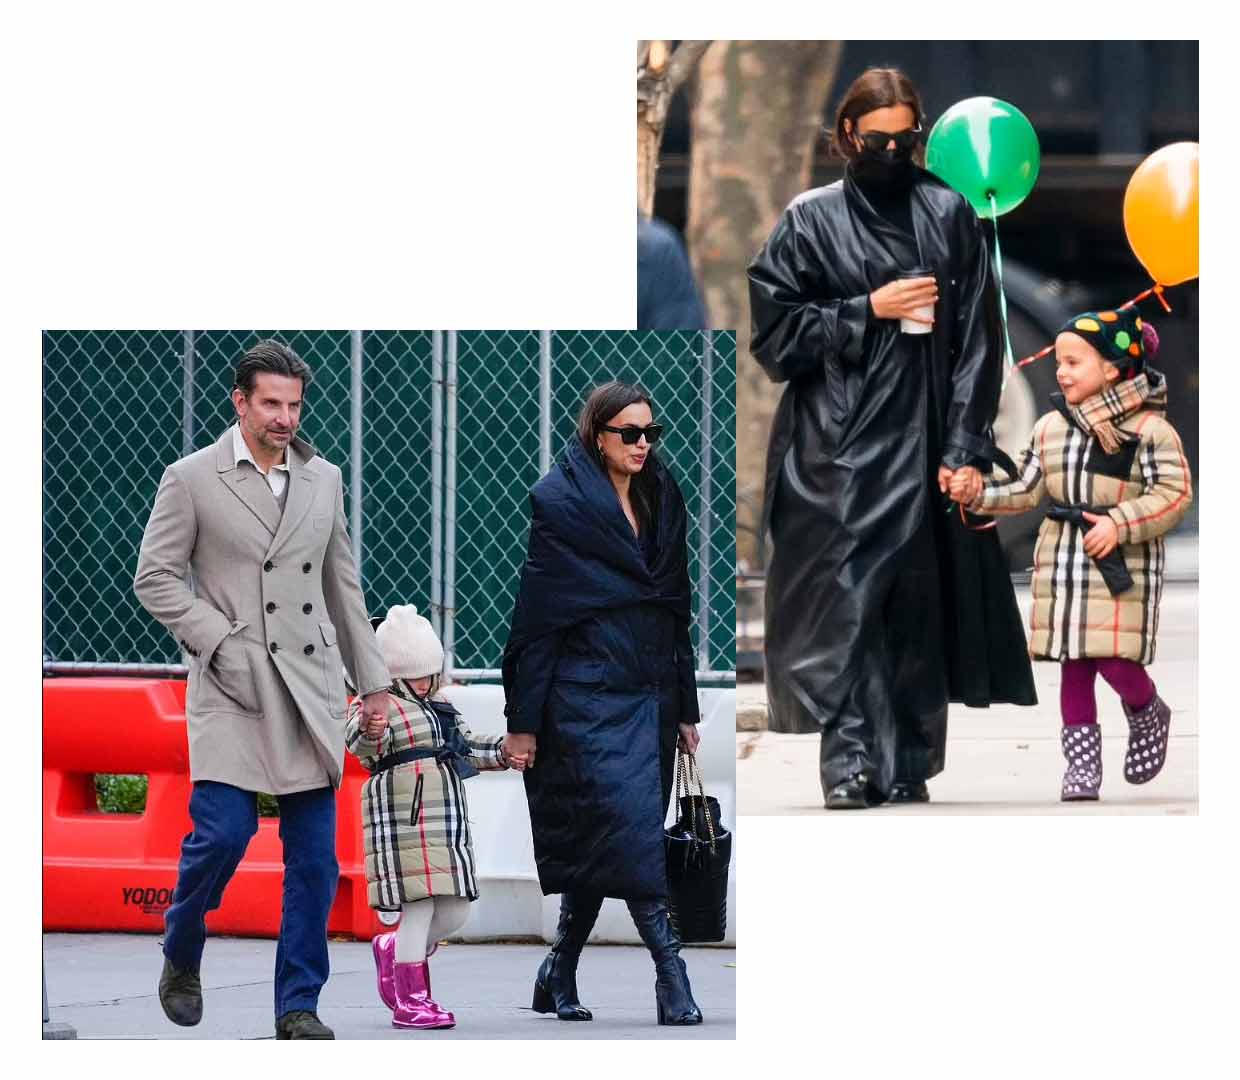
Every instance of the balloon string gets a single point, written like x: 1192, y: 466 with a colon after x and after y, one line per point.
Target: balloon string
x: 1007, y: 337
x: 1156, y: 291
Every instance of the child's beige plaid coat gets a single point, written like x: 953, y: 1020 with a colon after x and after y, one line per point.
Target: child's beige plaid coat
x: 415, y: 817
x: 1145, y: 488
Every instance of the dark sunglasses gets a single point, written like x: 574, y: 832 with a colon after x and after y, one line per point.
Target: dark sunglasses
x: 630, y: 435
x: 876, y: 141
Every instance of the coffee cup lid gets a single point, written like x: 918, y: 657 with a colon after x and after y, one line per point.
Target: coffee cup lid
x: 916, y: 272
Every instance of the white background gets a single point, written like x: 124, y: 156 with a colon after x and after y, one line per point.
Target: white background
x: 472, y: 166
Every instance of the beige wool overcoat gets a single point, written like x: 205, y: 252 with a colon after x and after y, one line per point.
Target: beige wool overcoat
x: 268, y: 607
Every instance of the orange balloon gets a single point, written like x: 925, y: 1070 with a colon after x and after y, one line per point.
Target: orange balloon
x: 1160, y: 213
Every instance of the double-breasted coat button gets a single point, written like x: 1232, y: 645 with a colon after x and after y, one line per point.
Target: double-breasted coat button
x: 275, y: 647
x: 268, y: 565
x: 305, y: 568
x: 307, y: 608
x: 271, y: 606
x: 309, y: 650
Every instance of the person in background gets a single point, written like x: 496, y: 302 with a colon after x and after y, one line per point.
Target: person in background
x: 667, y: 297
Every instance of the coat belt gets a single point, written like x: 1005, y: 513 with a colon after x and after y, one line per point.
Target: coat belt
x: 451, y: 756
x: 1112, y: 567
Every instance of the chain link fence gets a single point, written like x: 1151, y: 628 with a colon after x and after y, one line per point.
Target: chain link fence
x: 440, y: 435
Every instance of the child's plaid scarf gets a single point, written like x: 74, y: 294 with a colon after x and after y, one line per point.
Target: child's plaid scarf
x: 1100, y: 413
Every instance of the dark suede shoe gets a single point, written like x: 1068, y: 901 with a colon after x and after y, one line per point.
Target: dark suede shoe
x: 909, y: 791
x: 855, y: 793
x: 180, y: 993
x: 302, y: 1024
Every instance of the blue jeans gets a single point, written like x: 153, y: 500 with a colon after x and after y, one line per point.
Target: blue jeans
x: 225, y: 818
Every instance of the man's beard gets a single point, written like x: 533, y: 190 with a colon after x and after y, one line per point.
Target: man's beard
x: 265, y: 440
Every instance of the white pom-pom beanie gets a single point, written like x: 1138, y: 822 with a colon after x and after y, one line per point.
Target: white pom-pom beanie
x: 410, y: 647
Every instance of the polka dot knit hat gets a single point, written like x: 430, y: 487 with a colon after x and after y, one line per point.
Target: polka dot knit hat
x: 1121, y: 336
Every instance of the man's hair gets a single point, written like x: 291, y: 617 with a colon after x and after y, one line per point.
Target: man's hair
x: 270, y: 356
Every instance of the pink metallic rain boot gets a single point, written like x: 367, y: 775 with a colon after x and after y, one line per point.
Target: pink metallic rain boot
x: 384, y: 948
x: 414, y: 1007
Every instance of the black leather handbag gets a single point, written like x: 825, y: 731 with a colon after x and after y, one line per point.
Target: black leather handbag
x: 698, y: 850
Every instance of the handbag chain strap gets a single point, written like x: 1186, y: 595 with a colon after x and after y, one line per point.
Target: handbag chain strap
x: 683, y: 780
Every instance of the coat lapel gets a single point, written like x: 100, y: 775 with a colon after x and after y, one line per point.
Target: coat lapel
x: 896, y: 244
x: 247, y: 485
x: 300, y: 497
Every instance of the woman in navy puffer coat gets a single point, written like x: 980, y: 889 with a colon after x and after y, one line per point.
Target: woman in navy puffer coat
x: 598, y: 676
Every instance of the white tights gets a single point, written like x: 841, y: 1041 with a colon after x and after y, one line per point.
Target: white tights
x: 427, y: 921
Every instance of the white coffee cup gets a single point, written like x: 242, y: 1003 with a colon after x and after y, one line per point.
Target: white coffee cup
x: 912, y: 326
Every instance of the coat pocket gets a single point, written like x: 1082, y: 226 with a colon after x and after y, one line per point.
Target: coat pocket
x: 333, y: 671
x: 227, y: 683
x: 837, y: 391
x: 1117, y: 465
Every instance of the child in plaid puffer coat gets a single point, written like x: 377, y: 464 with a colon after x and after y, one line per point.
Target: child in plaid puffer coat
x: 1115, y: 472
x: 415, y: 819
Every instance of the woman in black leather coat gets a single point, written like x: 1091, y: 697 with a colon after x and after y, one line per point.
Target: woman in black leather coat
x: 881, y: 604
x: 599, y: 683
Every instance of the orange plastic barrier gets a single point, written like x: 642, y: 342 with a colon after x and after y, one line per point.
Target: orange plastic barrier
x: 117, y: 871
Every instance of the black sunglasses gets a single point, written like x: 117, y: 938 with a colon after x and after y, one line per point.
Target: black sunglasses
x: 875, y: 141
x: 630, y: 435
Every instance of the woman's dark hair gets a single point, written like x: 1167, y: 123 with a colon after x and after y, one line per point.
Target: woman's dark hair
x: 273, y: 357
x: 877, y: 88
x: 601, y: 407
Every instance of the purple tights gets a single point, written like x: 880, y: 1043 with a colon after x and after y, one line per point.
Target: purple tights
x: 1076, y: 693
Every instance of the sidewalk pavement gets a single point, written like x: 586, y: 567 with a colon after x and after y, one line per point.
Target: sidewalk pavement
x: 1004, y: 760
x: 105, y: 986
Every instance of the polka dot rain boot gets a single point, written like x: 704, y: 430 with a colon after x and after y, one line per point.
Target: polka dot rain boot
x: 1082, y: 750
x: 1149, y: 729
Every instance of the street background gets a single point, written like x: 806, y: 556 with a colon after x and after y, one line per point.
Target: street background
x: 439, y: 436
x: 104, y: 985
x: 1005, y: 759
x: 729, y: 132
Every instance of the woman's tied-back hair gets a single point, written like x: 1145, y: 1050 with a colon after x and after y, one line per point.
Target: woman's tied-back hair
x: 601, y: 407
x: 273, y: 357
x: 877, y: 88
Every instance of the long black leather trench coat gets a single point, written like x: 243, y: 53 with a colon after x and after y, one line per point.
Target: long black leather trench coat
x: 599, y: 664
x: 881, y: 605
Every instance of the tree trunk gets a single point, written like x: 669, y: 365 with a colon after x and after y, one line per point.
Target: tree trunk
x: 661, y: 71
x: 756, y: 118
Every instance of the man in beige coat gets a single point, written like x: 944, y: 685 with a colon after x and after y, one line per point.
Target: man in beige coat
x: 246, y: 559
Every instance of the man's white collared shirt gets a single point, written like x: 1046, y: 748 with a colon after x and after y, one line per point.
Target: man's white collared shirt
x: 276, y: 476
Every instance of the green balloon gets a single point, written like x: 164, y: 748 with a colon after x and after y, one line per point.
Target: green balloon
x: 983, y: 146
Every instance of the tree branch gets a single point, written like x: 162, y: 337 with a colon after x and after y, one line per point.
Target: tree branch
x: 684, y: 60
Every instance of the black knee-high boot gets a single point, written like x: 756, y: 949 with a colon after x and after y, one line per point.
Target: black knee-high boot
x: 555, y: 985
x: 673, y: 998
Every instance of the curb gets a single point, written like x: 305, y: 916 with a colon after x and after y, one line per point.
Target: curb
x: 751, y: 717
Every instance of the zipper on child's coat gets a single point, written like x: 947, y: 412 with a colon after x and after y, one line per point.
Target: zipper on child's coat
x: 417, y: 801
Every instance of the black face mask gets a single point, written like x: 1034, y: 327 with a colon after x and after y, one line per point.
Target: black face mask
x: 883, y: 170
